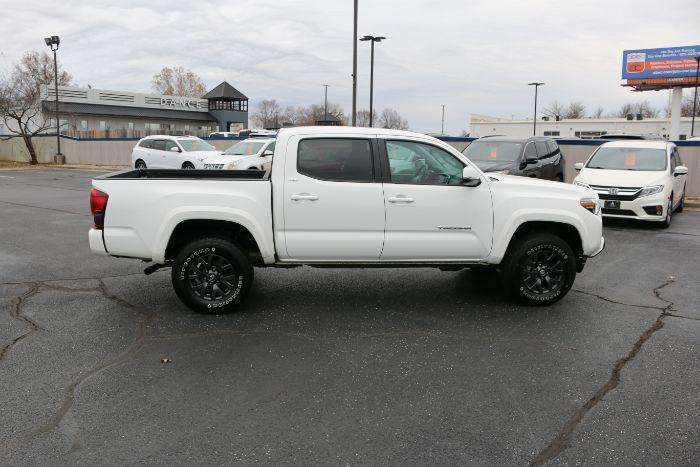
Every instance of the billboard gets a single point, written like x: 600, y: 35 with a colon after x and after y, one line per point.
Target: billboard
x: 669, y: 62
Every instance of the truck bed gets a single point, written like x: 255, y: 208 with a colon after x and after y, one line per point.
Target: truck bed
x: 168, y: 174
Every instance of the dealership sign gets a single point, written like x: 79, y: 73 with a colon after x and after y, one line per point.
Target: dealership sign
x: 178, y: 102
x: 671, y: 62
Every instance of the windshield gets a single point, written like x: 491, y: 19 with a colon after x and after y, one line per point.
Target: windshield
x: 244, y: 148
x: 195, y: 145
x: 642, y: 159
x: 493, y: 151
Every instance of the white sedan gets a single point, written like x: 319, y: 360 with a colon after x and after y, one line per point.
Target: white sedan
x: 251, y: 153
x: 642, y: 180
x: 171, y: 152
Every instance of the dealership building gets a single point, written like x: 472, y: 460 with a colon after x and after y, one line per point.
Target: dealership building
x: 585, y: 128
x: 99, y: 113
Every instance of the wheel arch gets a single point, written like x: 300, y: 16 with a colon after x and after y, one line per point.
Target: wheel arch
x: 190, y: 229
x: 567, y: 232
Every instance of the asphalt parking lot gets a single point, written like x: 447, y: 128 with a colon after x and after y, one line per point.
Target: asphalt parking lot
x: 412, y: 366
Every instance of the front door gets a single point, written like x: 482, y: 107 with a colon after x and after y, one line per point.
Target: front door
x: 533, y: 169
x: 333, y: 202
x: 430, y: 215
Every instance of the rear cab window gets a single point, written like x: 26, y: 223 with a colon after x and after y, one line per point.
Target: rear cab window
x: 336, y: 159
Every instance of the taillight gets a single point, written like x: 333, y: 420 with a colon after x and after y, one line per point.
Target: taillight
x: 98, y: 204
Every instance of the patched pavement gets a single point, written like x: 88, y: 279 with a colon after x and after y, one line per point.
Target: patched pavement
x: 410, y: 366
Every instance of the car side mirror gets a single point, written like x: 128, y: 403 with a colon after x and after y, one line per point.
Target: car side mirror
x: 470, y: 177
x: 174, y: 149
x: 578, y: 166
x: 268, y: 152
x: 680, y: 170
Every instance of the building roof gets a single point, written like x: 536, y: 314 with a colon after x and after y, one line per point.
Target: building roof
x: 638, y: 143
x: 123, y: 111
x: 225, y: 91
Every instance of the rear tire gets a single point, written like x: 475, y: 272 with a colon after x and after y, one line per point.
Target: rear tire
x: 539, y: 269
x: 212, y: 275
x: 188, y: 166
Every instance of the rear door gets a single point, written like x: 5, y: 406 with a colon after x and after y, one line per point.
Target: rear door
x: 333, y: 199
x: 430, y: 215
x: 172, y: 159
x: 545, y: 159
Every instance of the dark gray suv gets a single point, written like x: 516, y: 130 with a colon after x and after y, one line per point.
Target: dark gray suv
x: 535, y: 157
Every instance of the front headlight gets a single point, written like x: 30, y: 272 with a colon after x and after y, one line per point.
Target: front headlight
x: 580, y: 183
x: 232, y: 165
x: 651, y: 190
x: 590, y: 204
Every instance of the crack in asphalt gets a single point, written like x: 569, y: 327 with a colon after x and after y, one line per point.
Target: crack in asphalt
x: 48, y: 209
x: 137, y: 342
x: 610, y: 300
x: 68, y: 279
x: 16, y: 313
x: 562, y: 440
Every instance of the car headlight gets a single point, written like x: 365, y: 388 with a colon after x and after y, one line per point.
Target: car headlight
x: 651, y: 190
x: 232, y: 165
x: 580, y: 183
x: 590, y: 204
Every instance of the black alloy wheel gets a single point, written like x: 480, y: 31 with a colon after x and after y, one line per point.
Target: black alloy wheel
x: 211, y: 277
x: 140, y: 164
x: 543, y: 271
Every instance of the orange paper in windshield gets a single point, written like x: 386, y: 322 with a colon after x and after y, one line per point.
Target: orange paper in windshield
x: 494, y: 153
x: 630, y: 159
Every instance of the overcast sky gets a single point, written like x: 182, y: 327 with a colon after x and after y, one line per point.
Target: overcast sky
x: 473, y: 56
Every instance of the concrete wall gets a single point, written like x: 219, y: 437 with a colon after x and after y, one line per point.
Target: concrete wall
x: 118, y: 152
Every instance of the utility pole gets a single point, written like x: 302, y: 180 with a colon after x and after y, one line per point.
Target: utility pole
x: 534, y: 120
x: 325, y: 102
x: 442, y: 131
x: 354, y: 68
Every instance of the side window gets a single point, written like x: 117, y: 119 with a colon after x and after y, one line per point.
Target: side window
x: 677, y: 156
x: 553, y: 148
x: 542, y: 149
x: 159, y: 144
x: 271, y: 147
x: 336, y: 159
x: 530, y: 152
x: 169, y: 144
x: 146, y: 143
x: 422, y: 164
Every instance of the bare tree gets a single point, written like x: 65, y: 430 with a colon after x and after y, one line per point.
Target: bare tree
x: 293, y: 115
x: 575, y: 110
x: 643, y: 107
x: 363, y: 118
x: 687, y: 106
x: 553, y: 110
x: 20, y: 99
x: 178, y: 82
x: 598, y: 113
x: 315, y: 113
x: 268, y: 114
x: 390, y: 118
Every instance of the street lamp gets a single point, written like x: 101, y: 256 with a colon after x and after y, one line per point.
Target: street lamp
x: 372, y: 39
x: 325, y: 102
x: 53, y: 42
x: 442, y: 131
x: 695, y: 99
x: 534, y: 120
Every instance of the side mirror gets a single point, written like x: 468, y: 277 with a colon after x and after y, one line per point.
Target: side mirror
x: 470, y: 177
x: 578, y: 166
x: 174, y: 149
x: 267, y: 153
x: 680, y: 170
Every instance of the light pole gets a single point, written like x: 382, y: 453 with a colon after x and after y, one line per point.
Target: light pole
x: 325, y: 102
x: 534, y: 120
x: 354, y: 67
x: 442, y: 131
x: 695, y: 99
x: 372, y: 40
x: 53, y: 43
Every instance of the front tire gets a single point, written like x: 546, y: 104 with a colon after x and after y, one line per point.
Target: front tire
x: 212, y: 275
x: 140, y: 164
x: 539, y: 270
x: 188, y: 166
x: 666, y: 223
x: 681, y: 205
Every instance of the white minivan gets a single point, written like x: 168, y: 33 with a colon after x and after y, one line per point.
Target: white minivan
x: 171, y: 152
x: 642, y: 180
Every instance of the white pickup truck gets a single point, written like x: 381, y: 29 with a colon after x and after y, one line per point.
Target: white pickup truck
x: 346, y: 197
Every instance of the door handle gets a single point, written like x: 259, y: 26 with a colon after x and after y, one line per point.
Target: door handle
x: 400, y: 199
x: 304, y: 197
